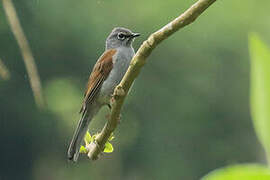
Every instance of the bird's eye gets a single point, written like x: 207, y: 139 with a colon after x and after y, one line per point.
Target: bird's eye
x: 121, y: 36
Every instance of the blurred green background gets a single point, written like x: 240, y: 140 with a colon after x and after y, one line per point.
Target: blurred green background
x: 187, y: 114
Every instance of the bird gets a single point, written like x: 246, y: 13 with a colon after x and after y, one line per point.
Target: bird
x: 105, y: 76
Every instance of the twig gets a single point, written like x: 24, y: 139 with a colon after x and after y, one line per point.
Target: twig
x: 25, y: 50
x: 137, y: 63
x: 4, y: 72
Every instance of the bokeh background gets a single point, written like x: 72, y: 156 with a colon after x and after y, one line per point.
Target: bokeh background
x: 187, y: 114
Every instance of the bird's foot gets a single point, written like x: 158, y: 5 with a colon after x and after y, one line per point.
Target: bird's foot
x: 118, y: 91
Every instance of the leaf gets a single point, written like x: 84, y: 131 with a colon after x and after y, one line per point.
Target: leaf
x: 83, y: 150
x: 87, y: 138
x: 260, y: 89
x: 240, y: 172
x: 111, y: 137
x: 108, y: 148
x: 94, y: 137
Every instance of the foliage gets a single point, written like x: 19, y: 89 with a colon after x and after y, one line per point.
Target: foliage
x: 260, y: 89
x: 260, y: 108
x: 91, y: 139
x: 240, y: 172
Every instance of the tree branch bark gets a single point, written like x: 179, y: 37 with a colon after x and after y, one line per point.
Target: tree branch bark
x: 134, y: 69
x: 25, y: 50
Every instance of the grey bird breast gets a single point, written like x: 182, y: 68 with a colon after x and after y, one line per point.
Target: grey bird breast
x: 121, y: 61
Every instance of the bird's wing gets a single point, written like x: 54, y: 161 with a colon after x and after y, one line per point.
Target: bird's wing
x: 99, y: 74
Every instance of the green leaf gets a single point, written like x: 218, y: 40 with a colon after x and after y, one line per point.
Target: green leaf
x: 87, y: 138
x: 94, y: 137
x: 260, y: 89
x: 111, y: 137
x: 240, y: 172
x: 108, y: 148
x: 83, y: 150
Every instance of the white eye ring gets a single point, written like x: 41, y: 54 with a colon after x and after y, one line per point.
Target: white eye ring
x: 121, y: 36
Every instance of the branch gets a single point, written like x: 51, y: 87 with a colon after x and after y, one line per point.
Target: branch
x: 4, y: 72
x: 25, y: 50
x: 136, y: 64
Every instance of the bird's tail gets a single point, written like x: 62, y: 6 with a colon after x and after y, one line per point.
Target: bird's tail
x: 78, y: 136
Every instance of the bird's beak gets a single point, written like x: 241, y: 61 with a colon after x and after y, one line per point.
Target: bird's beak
x: 135, y: 35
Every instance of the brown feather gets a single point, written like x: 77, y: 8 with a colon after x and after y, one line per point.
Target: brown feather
x: 99, y: 74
